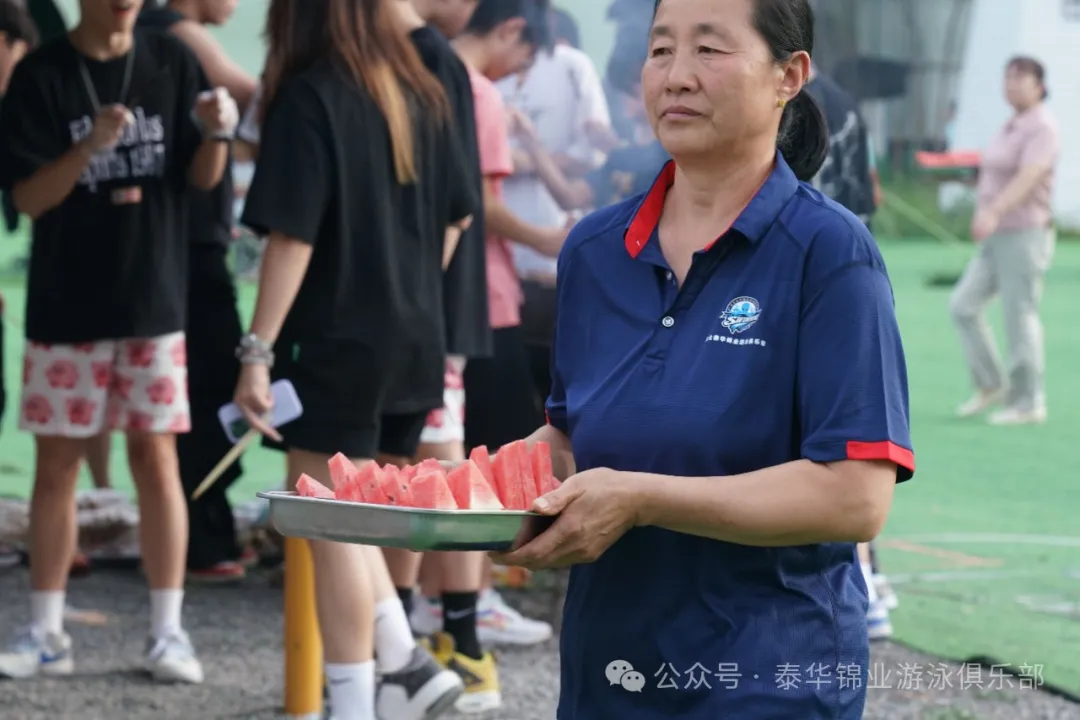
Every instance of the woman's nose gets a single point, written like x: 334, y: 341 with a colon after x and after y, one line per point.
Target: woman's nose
x: 682, y: 73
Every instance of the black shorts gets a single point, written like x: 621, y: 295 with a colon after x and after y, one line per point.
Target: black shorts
x: 501, y: 404
x: 343, y: 388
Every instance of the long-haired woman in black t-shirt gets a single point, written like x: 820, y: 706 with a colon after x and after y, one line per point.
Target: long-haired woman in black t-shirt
x: 359, y: 179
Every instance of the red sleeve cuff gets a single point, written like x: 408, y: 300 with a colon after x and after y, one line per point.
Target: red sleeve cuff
x: 884, y: 450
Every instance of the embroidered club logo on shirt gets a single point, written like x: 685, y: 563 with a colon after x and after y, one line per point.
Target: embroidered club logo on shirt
x: 740, y: 315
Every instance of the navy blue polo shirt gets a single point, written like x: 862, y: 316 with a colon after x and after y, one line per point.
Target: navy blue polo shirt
x: 782, y: 344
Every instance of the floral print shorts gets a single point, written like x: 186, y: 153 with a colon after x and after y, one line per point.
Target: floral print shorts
x: 77, y: 391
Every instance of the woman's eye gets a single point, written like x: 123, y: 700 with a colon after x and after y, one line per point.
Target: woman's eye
x: 708, y: 50
x: 658, y: 51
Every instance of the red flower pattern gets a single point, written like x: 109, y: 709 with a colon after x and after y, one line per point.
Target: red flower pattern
x: 102, y: 372
x: 161, y: 391
x: 436, y: 418
x: 140, y: 353
x: 84, y: 347
x: 180, y: 423
x: 140, y: 421
x: 62, y: 375
x: 38, y: 410
x: 81, y: 411
x: 179, y: 353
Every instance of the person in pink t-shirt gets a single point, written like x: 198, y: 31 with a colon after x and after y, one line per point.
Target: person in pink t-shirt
x: 502, y: 38
x: 1013, y: 225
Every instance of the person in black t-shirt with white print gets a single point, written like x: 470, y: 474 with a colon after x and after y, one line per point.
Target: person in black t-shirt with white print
x: 357, y: 193
x: 103, y: 131
x: 214, y: 555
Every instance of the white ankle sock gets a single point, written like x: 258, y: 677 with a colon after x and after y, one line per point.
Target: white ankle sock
x: 352, y: 690
x: 47, y: 611
x: 394, y: 643
x: 165, y: 607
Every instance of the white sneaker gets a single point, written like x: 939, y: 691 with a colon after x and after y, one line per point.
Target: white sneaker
x: 979, y: 403
x: 422, y: 690
x: 1012, y: 416
x: 499, y: 624
x: 426, y: 617
x: 878, y: 626
x: 172, y: 659
x: 36, y: 652
x: 885, y: 592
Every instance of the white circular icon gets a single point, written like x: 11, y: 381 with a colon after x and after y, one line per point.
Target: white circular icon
x: 616, y: 669
x: 668, y: 321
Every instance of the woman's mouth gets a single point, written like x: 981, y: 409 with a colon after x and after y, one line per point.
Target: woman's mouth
x: 123, y: 8
x: 680, y: 112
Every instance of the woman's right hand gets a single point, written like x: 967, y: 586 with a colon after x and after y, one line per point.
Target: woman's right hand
x: 254, y: 398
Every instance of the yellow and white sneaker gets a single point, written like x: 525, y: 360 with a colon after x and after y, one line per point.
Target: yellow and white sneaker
x: 481, y: 677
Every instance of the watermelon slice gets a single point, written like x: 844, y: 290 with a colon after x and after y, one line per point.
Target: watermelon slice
x: 431, y: 492
x: 519, y: 450
x: 308, y: 486
x: 369, y: 483
x: 507, y: 471
x: 482, y: 458
x: 429, y: 466
x: 394, y: 487
x: 408, y: 472
x: 541, y: 465
x: 471, y: 491
x: 342, y: 472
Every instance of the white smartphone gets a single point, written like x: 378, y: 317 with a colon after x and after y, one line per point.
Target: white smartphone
x: 286, y: 408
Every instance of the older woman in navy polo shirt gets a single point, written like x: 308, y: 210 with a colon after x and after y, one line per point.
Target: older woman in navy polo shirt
x: 729, y: 400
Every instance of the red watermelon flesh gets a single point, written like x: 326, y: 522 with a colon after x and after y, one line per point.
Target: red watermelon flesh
x: 342, y: 473
x: 520, y: 450
x: 394, y: 487
x: 471, y: 491
x: 429, y: 466
x: 369, y: 482
x: 430, y: 491
x: 482, y: 458
x: 308, y: 486
x: 541, y: 465
x: 408, y: 472
x: 508, y: 479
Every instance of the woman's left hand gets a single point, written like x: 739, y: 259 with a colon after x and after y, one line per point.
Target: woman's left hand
x: 594, y: 508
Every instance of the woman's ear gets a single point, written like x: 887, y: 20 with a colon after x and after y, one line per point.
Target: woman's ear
x: 796, y: 73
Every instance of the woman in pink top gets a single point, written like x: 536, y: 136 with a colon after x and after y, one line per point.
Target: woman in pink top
x: 1013, y: 226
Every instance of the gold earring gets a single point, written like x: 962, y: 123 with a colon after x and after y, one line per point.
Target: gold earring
x: 781, y: 103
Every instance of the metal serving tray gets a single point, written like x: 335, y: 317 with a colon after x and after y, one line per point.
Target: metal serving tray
x: 396, y: 527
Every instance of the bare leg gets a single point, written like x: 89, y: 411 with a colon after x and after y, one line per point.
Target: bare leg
x: 98, y: 453
x: 343, y: 589
x: 163, y: 526
x: 53, y: 528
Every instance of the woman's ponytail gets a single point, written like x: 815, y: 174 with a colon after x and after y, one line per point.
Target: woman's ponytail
x: 804, y: 136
